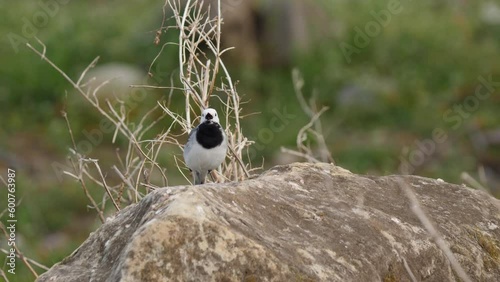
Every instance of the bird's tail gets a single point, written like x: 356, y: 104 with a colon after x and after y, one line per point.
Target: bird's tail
x: 199, y: 177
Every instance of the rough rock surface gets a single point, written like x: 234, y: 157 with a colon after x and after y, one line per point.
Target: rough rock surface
x: 300, y: 222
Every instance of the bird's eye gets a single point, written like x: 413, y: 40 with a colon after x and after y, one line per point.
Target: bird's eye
x: 215, y: 114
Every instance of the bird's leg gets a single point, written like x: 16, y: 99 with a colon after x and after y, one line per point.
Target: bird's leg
x: 211, y: 176
x: 198, y: 178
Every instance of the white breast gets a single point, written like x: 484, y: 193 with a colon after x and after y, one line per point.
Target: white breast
x: 201, y: 159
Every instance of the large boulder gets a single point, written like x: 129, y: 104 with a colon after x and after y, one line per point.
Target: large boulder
x: 299, y: 222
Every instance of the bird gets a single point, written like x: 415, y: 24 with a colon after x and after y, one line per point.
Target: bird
x: 206, y: 147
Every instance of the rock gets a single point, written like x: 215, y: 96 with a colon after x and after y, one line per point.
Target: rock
x: 299, y: 222
x: 119, y: 76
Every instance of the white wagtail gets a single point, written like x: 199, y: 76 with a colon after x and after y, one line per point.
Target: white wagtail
x: 206, y: 147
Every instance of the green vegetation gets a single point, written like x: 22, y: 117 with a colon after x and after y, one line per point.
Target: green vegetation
x: 390, y: 93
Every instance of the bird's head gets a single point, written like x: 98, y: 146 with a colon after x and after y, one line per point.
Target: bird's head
x: 209, y: 115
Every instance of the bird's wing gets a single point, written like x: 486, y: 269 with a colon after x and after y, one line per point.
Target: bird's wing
x: 190, y: 142
x: 192, y: 131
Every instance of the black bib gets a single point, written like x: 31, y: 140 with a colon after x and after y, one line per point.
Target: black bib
x: 209, y: 135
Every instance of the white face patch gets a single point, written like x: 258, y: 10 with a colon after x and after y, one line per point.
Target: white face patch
x: 212, y: 112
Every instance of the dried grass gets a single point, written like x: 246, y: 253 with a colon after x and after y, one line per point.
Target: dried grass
x: 203, y: 77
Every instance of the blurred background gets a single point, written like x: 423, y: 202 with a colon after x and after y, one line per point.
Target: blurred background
x: 411, y: 86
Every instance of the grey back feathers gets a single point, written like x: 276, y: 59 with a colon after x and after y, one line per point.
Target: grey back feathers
x: 206, y: 147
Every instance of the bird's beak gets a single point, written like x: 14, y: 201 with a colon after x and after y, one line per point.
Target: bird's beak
x: 209, y: 117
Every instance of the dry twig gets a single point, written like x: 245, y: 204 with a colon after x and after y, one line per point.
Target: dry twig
x: 202, y: 75
x: 304, y: 149
x: 433, y: 232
